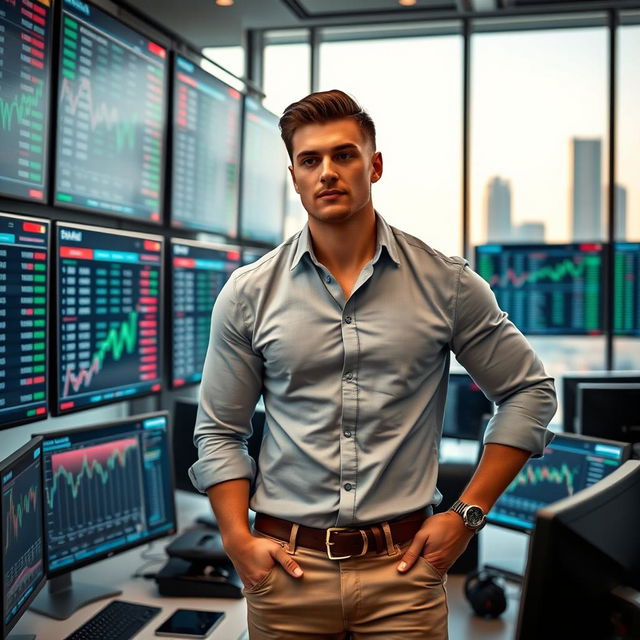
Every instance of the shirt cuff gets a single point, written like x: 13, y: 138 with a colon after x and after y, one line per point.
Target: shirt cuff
x: 517, y: 431
x: 205, y: 473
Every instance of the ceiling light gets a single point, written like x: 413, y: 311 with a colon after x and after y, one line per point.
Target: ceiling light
x: 407, y: 3
x: 224, y: 3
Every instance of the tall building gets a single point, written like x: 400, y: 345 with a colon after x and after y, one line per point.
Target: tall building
x: 499, y: 228
x: 587, y: 189
x: 530, y: 232
x: 621, y: 212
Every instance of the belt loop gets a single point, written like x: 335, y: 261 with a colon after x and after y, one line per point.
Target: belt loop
x: 290, y: 548
x: 387, y: 534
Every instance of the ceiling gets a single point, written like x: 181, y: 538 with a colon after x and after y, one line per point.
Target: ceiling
x: 203, y: 23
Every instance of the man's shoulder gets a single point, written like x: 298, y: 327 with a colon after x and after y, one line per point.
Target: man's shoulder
x: 271, y: 263
x: 418, y: 249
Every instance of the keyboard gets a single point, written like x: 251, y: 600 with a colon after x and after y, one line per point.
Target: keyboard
x: 119, y: 620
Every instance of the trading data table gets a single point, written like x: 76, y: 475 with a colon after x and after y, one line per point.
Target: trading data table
x: 24, y: 252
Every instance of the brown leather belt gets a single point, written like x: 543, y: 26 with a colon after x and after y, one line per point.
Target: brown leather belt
x: 341, y: 543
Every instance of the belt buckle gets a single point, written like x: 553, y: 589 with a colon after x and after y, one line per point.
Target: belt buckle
x: 330, y: 530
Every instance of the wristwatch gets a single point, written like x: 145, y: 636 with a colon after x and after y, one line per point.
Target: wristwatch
x: 473, y: 516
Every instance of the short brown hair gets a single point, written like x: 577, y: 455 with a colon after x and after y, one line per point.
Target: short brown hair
x: 321, y: 107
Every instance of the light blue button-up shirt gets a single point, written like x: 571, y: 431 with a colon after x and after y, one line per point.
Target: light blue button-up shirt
x: 354, y: 389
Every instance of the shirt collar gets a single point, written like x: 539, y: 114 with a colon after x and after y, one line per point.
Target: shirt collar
x: 385, y: 238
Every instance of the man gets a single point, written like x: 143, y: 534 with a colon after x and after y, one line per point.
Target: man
x: 346, y: 330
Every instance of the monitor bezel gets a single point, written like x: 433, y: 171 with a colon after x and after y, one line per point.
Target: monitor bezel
x: 48, y: 326
x: 170, y: 281
x: 244, y: 173
x: 602, y: 249
x: 174, y: 225
x: 111, y: 552
x: 626, y: 450
x: 113, y: 12
x: 25, y: 450
x: 55, y: 312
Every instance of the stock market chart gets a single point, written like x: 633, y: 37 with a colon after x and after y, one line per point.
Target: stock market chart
x: 22, y: 547
x: 570, y: 463
x: 199, y: 272
x: 626, y: 308
x: 109, y: 316
x: 107, y: 487
x: 206, y: 151
x: 25, y: 34
x: 24, y: 283
x: 546, y: 289
x: 264, y: 175
x: 111, y: 116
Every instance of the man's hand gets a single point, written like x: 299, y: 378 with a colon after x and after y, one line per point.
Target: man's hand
x: 441, y: 541
x: 254, y: 557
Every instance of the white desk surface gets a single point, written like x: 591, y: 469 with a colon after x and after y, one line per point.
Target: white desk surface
x: 117, y: 572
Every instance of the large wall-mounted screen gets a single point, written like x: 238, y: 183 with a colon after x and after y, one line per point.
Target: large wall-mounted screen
x: 24, y: 292
x: 206, y: 151
x: 108, y: 315
x: 111, y: 116
x: 25, y: 35
x: 626, y: 308
x: 547, y: 289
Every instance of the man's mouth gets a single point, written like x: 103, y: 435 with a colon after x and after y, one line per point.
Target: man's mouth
x: 330, y: 194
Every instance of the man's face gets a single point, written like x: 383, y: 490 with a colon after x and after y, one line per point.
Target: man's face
x: 334, y: 165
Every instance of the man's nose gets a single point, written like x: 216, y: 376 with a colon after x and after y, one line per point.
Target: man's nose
x: 329, y: 173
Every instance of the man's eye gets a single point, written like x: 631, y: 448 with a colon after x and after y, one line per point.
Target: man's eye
x: 308, y: 162
x: 345, y: 155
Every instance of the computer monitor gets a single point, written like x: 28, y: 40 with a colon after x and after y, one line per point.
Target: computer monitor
x: 264, y: 175
x: 198, y: 272
x: 547, y: 289
x: 108, y: 488
x: 583, y: 552
x: 22, y: 570
x: 184, y: 452
x: 609, y: 411
x: 206, y: 149
x: 570, y: 464
x: 25, y: 55
x: 24, y: 318
x: 570, y: 382
x: 109, y: 320
x: 626, y: 309
x: 466, y: 410
x: 112, y: 97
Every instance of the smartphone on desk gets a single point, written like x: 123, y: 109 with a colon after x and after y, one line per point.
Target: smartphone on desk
x: 190, y: 623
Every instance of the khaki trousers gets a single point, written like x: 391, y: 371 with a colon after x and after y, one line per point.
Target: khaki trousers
x: 365, y: 596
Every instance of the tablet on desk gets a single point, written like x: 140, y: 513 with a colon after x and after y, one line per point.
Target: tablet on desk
x: 189, y: 623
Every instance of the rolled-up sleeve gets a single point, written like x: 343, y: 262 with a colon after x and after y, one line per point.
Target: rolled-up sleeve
x: 230, y: 388
x: 503, y: 364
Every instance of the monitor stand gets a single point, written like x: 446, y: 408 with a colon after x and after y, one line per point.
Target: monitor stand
x: 64, y: 598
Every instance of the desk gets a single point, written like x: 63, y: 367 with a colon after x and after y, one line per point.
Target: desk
x: 117, y: 571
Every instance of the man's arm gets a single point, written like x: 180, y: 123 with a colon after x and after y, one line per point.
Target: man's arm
x: 444, y: 537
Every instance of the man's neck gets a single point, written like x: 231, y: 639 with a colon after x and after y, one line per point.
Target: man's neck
x: 345, y: 247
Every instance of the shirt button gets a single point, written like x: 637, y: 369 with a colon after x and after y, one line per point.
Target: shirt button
x: 347, y: 434
x: 347, y: 487
x: 327, y: 279
x: 349, y: 376
x: 348, y: 319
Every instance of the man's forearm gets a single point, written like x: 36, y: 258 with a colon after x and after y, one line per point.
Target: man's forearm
x: 498, y: 466
x: 230, y: 503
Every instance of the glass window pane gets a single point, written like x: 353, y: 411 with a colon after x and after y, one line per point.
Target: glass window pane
x: 412, y: 88
x: 538, y: 152
x: 231, y: 58
x: 287, y: 79
x: 627, y: 205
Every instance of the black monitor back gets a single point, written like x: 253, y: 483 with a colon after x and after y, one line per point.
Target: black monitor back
x: 184, y: 451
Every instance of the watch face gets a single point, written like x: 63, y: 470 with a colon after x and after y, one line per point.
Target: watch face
x: 474, y: 516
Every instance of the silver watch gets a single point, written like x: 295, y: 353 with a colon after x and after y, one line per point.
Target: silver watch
x: 473, y: 516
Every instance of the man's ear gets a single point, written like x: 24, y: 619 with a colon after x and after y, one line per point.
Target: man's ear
x: 376, y: 166
x: 293, y: 179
